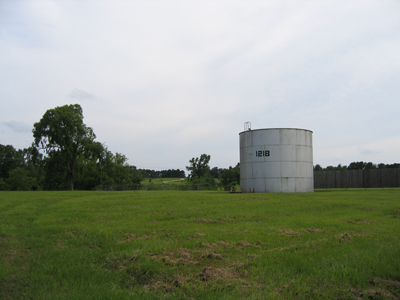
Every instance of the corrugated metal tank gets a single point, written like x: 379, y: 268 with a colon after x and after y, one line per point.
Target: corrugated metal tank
x: 276, y: 160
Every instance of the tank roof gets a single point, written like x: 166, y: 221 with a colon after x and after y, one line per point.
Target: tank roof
x: 275, y: 129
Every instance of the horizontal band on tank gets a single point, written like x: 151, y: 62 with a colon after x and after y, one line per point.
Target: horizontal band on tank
x: 275, y: 129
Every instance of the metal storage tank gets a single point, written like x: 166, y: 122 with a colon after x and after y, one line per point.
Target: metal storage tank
x: 276, y: 160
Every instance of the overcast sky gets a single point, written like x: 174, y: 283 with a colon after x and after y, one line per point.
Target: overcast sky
x: 165, y: 81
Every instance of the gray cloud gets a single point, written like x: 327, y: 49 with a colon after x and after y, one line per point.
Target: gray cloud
x: 82, y: 95
x: 368, y: 152
x: 17, y: 126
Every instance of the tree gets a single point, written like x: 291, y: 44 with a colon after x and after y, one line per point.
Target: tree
x: 318, y: 167
x: 370, y: 166
x: 9, y: 160
x: 231, y: 177
x: 360, y: 165
x: 199, y: 166
x: 20, y: 181
x: 63, y: 136
x: 200, y: 170
x: 216, y: 172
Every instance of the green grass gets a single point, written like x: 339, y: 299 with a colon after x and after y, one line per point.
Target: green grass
x: 330, y: 244
x: 161, y: 181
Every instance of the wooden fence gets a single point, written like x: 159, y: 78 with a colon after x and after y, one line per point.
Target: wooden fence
x: 373, y: 178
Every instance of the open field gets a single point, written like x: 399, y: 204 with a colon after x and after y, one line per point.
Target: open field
x: 158, y: 181
x: 330, y: 244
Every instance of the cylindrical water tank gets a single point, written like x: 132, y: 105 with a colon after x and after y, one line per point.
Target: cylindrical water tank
x: 276, y: 160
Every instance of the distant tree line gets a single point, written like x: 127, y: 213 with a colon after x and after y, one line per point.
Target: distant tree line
x: 360, y: 165
x: 170, y: 173
x: 64, y: 155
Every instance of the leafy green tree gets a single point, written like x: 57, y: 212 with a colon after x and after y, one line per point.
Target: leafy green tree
x: 199, y: 166
x: 20, y: 181
x: 89, y: 167
x: 150, y: 174
x: 137, y: 175
x: 200, y: 171
x: 121, y: 170
x: 360, y: 165
x: 4, y: 186
x: 55, y: 173
x: 318, y: 167
x: 116, y: 170
x: 216, y: 172
x: 231, y: 177
x: 33, y: 163
x: 393, y: 166
x: 370, y: 166
x: 10, y: 159
x: 63, y: 137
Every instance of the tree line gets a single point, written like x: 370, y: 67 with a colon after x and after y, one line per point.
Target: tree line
x: 170, y: 173
x: 360, y: 165
x: 65, y: 155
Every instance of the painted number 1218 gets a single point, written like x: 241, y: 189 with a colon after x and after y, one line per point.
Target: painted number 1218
x: 262, y: 153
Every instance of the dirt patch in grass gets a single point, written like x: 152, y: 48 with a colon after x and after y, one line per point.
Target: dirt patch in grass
x: 203, y: 221
x: 179, y: 256
x: 361, y: 221
x: 211, y: 273
x: 227, y: 219
x: 196, y: 235
x: 168, y: 234
x: 372, y: 294
x: 158, y: 286
x: 243, y: 243
x: 209, y: 245
x: 389, y: 283
x: 343, y: 237
x: 209, y: 276
x: 364, y: 222
x: 119, y: 263
x: 252, y: 256
x: 10, y: 254
x: 176, y: 281
x: 225, y: 244
x: 277, y: 249
x: 388, y: 289
x: 193, y: 209
x: 211, y: 255
x: 60, y: 245
x: 129, y: 237
x: 288, y: 232
x: 313, y: 230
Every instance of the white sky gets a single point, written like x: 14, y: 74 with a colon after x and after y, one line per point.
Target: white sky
x: 165, y: 81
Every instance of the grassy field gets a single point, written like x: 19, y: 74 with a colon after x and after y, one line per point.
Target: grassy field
x: 158, y: 181
x: 331, y: 244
